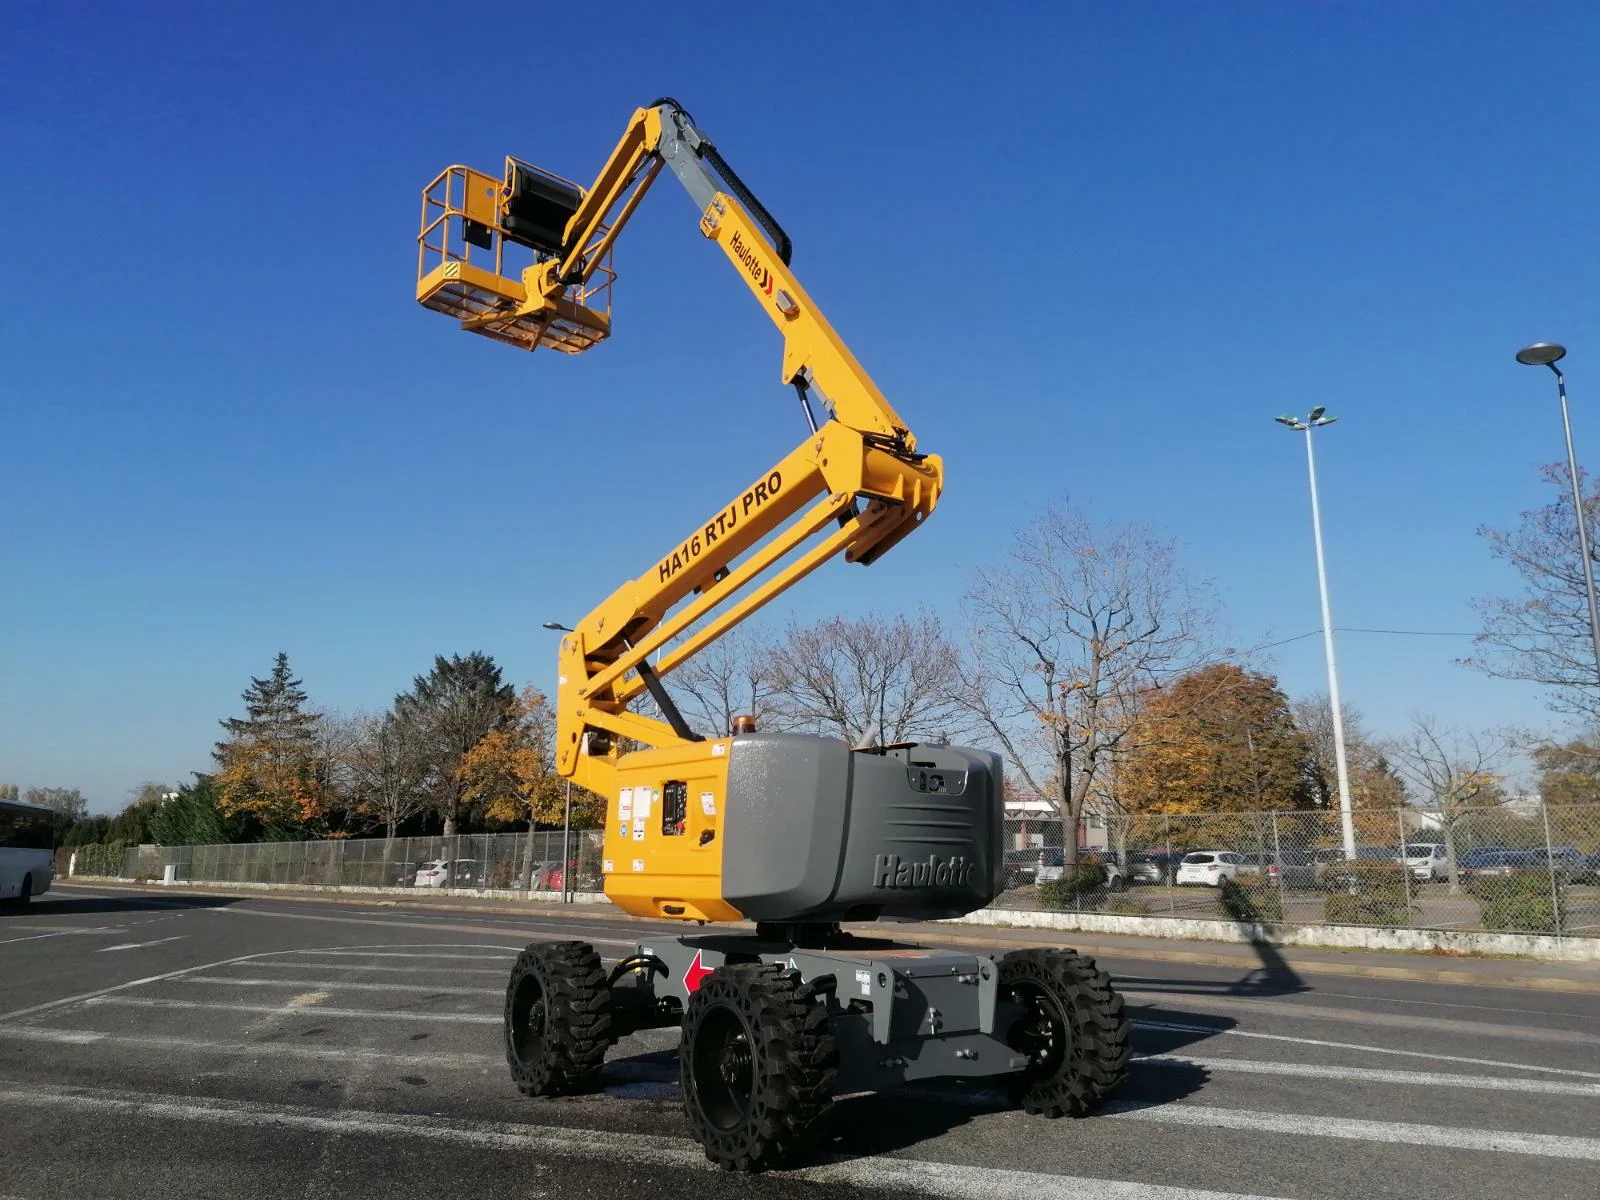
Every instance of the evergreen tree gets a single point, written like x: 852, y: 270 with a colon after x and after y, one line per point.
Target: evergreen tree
x: 452, y: 708
x: 193, y: 817
x: 267, y: 764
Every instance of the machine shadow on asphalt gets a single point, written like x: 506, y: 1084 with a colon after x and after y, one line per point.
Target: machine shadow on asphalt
x: 133, y: 902
x: 1274, y: 977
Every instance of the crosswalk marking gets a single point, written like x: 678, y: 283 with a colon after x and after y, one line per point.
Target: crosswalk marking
x: 169, y: 1045
x: 1493, y: 1083
x: 369, y: 1014
x: 416, y: 989
x: 1215, y: 1031
x: 1548, y: 1145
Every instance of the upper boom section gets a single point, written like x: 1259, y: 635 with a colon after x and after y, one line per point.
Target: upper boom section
x: 475, y: 227
x: 855, y: 486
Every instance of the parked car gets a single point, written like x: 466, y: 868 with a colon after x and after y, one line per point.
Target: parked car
x: 1208, y: 868
x: 434, y: 873
x: 1335, y: 879
x: 1492, y: 861
x: 1021, y: 867
x: 1589, y: 871
x: 1155, y: 867
x: 1426, y: 861
x: 1287, y: 868
x: 1053, y: 866
x: 466, y: 873
x: 1569, y: 862
x: 405, y: 874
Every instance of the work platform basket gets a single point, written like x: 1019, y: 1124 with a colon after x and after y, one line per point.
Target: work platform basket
x: 480, y: 247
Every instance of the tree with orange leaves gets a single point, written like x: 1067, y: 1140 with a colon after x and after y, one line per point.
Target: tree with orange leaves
x: 511, y: 770
x: 1220, y: 739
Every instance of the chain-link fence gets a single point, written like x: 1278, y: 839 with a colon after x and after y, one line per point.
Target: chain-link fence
x: 1516, y: 868
x: 472, y: 862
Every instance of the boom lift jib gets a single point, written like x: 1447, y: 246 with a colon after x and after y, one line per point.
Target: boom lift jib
x: 796, y: 833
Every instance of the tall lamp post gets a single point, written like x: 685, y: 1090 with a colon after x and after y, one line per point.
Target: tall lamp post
x: 1314, y: 420
x: 1548, y: 354
x: 566, y: 817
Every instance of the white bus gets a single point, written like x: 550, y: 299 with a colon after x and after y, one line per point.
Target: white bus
x: 27, y: 851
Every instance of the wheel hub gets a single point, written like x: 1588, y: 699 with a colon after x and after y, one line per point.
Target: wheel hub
x: 1041, y: 1032
x: 723, y: 1068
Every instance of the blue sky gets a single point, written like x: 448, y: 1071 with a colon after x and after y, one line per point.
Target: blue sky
x: 1086, y: 249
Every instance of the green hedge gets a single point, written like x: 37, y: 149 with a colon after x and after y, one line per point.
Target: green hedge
x: 100, y: 858
x: 1376, y: 895
x: 1520, y: 904
x: 1080, y: 886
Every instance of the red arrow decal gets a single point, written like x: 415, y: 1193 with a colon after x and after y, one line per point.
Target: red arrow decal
x: 695, y: 975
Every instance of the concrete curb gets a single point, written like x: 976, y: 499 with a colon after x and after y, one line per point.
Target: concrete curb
x: 1322, y: 937
x: 1243, y: 958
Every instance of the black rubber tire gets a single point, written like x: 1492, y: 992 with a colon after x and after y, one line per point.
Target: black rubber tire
x: 557, y: 1019
x: 758, y: 1022
x: 1076, y: 1029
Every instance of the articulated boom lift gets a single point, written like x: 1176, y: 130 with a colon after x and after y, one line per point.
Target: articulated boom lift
x: 793, y: 832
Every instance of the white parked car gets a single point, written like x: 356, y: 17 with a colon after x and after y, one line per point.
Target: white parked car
x: 434, y: 874
x: 1426, y: 860
x: 1208, y: 867
x: 1053, y: 867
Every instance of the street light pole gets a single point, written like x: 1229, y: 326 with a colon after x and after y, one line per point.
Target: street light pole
x: 1547, y: 354
x: 1315, y: 420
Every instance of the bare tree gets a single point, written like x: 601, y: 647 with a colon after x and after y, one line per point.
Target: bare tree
x: 1455, y: 770
x: 388, y: 763
x: 69, y: 802
x: 1373, y: 782
x: 334, y: 739
x: 898, y: 678
x: 1543, y: 635
x: 729, y: 677
x: 1080, y: 623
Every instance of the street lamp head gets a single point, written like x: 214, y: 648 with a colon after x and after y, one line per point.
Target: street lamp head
x: 1291, y: 422
x: 1541, y: 354
x: 1315, y: 414
x: 1321, y: 421
x: 557, y: 626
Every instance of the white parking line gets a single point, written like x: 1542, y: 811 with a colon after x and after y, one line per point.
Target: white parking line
x: 1547, y: 1145
x: 419, y: 955
x: 1429, y: 1055
x: 417, y: 969
x: 1491, y: 1083
x: 34, y: 937
x: 416, y: 989
x: 902, y: 1175
x: 169, y: 1045
x: 290, y: 1009
x: 140, y: 945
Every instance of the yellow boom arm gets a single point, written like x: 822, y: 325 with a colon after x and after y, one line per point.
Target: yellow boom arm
x: 855, y: 486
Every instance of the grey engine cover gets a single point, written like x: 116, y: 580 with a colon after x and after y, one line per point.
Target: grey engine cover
x: 816, y: 831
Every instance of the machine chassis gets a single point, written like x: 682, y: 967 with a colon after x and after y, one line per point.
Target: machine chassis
x: 778, y: 1023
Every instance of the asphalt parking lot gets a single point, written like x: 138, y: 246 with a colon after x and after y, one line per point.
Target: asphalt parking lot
x: 158, y: 1044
